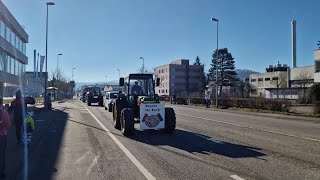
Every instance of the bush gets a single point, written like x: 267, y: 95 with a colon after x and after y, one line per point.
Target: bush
x: 317, y: 107
x: 181, y: 100
x: 314, y: 92
x: 257, y: 103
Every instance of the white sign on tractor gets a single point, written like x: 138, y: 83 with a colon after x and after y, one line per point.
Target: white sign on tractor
x: 152, y: 116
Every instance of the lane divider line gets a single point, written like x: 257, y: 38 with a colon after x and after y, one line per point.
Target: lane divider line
x: 236, y: 177
x: 134, y: 160
x: 249, y: 127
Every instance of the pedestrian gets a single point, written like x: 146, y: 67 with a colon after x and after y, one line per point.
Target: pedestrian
x: 5, y: 124
x: 174, y: 98
x: 49, y: 102
x: 18, y: 106
x: 207, y: 99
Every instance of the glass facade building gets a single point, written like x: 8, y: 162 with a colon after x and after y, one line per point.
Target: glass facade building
x: 13, y: 59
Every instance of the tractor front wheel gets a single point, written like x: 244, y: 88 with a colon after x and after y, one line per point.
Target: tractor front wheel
x: 170, y: 120
x: 116, y: 112
x: 127, y: 122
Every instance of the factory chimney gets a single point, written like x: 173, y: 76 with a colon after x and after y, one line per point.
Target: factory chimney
x: 294, y: 44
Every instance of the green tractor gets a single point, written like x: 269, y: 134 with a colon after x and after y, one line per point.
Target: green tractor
x: 138, y: 103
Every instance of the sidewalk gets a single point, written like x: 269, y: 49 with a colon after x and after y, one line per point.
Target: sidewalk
x: 15, y: 156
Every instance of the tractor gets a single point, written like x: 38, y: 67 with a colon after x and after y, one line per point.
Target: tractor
x: 138, y: 103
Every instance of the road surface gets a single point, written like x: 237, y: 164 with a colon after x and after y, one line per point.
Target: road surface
x: 206, y: 145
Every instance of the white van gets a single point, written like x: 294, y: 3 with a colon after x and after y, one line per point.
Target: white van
x: 109, y: 99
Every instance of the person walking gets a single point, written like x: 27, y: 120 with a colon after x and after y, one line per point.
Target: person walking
x: 207, y: 98
x: 18, y: 106
x: 5, y: 124
x: 49, y: 105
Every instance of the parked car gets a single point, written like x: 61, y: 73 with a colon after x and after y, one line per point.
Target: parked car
x: 109, y: 100
x: 30, y: 100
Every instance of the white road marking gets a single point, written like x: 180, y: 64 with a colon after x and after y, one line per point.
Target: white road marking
x: 236, y: 177
x: 134, y: 160
x: 249, y: 127
x: 81, y: 158
x: 94, y: 161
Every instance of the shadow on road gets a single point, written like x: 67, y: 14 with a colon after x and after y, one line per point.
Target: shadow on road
x: 196, y: 143
x: 44, y: 153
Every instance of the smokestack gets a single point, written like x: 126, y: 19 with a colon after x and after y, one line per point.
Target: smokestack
x: 294, y: 44
x: 34, y: 63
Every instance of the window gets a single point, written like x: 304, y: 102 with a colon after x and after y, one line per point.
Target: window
x: 8, y: 34
x: 12, y: 65
x: 162, y: 70
x: 253, y: 80
x: 159, y: 90
x: 159, y: 71
x: 260, y: 79
x: 267, y: 79
x: 172, y: 84
x: 2, y: 29
x: 166, y: 90
x: 275, y: 78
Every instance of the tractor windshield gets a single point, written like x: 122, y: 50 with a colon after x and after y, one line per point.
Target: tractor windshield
x: 142, y: 86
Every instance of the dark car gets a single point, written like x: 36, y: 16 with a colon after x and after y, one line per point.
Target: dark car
x: 30, y: 100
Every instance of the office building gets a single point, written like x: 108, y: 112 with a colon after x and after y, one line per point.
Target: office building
x: 180, y: 77
x: 13, y: 59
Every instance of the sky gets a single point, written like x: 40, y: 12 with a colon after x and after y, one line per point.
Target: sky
x: 97, y: 37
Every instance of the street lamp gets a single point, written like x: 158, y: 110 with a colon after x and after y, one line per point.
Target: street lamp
x: 72, y: 72
x: 119, y: 72
x: 46, y: 78
x: 60, y: 54
x: 142, y: 64
x: 217, y: 79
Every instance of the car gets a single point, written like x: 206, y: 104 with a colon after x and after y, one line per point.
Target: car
x: 109, y: 100
x: 30, y: 100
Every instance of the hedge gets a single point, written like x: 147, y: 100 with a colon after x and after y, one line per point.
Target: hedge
x: 252, y: 103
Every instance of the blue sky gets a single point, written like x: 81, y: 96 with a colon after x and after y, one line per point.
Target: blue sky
x: 99, y: 36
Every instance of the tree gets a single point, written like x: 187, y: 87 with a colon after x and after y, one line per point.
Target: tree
x: 60, y: 81
x: 226, y: 69
x: 314, y: 92
x: 197, y: 62
x: 303, y: 81
x: 278, y: 81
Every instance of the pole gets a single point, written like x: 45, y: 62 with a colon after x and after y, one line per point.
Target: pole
x: 217, y: 79
x: 46, y: 78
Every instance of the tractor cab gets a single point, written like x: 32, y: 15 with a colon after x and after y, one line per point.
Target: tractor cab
x: 139, y: 88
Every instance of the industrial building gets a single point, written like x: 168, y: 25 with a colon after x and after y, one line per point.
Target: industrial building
x: 282, y: 81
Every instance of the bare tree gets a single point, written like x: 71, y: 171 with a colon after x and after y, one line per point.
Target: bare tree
x: 59, y: 81
x: 303, y: 81
x: 278, y: 81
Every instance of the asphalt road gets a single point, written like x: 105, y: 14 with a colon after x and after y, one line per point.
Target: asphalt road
x: 206, y: 145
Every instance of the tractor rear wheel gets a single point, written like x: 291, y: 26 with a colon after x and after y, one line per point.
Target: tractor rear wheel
x: 110, y: 107
x: 170, y: 120
x: 101, y: 102
x: 89, y: 101
x: 116, y: 113
x: 127, y: 122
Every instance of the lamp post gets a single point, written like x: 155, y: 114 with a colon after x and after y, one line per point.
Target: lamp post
x: 217, y: 79
x: 72, y: 73
x: 119, y: 72
x: 60, y: 54
x: 73, y: 81
x: 46, y: 78
x: 142, y: 64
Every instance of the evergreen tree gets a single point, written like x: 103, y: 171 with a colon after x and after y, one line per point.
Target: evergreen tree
x: 197, y: 62
x: 226, y: 69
